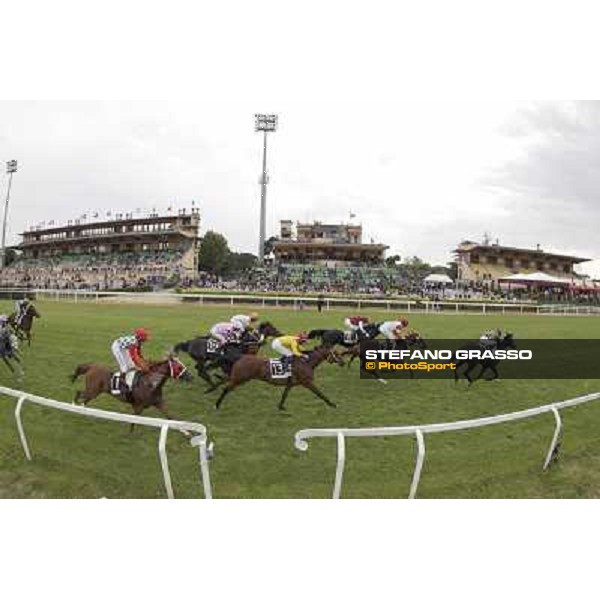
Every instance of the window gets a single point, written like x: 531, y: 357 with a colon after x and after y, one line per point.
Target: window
x: 525, y: 264
x: 492, y: 260
x: 475, y: 258
x: 509, y: 262
x: 539, y: 265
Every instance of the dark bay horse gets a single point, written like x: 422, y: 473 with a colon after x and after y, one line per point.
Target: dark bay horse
x: 9, y: 353
x: 147, y: 390
x: 411, y: 341
x: 505, y: 343
x: 337, y: 337
x: 250, y: 367
x: 22, y: 327
x: 201, y: 349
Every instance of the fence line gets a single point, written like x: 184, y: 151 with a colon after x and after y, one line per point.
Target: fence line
x: 263, y: 300
x: 301, y: 438
x: 199, y: 437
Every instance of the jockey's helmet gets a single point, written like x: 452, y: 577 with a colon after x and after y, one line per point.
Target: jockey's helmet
x: 302, y: 337
x: 141, y: 334
x: 404, y: 321
x: 253, y: 316
x: 3, y: 319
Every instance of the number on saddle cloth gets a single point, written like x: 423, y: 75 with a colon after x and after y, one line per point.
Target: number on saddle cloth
x: 279, y: 369
x: 212, y: 346
x: 350, y: 337
x: 131, y: 379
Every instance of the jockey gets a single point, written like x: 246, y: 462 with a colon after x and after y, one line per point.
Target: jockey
x: 3, y: 324
x: 356, y: 324
x: 245, y: 321
x: 288, y: 346
x: 227, y: 332
x: 488, y: 339
x: 394, y: 330
x: 128, y: 352
x: 21, y: 307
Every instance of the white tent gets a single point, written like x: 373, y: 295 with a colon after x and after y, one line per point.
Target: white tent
x: 438, y: 278
x: 534, y: 279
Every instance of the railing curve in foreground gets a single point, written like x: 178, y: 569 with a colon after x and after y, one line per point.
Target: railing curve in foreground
x: 419, y: 431
x: 199, y: 437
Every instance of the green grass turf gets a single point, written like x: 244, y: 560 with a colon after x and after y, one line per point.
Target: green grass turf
x: 75, y: 457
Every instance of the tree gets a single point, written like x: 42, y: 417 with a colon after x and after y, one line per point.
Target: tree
x: 240, y: 261
x: 214, y: 253
x: 392, y: 261
x: 453, y: 270
x: 11, y: 256
x: 269, y: 245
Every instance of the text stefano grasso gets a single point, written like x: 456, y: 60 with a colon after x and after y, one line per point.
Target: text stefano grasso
x: 461, y: 354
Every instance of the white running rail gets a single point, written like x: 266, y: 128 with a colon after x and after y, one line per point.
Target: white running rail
x: 419, y: 431
x: 198, y: 432
x: 268, y: 300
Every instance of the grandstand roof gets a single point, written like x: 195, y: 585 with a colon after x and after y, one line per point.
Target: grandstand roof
x: 473, y: 246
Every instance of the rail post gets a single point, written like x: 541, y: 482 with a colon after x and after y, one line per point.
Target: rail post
x: 20, y: 428
x: 339, y: 469
x: 418, y: 464
x: 554, y: 448
x: 164, y: 462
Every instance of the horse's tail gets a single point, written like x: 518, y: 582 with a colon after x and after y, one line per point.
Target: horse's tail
x: 80, y: 370
x: 182, y: 347
x: 316, y: 333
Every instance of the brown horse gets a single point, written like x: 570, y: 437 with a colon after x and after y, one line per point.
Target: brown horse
x: 22, y: 327
x: 147, y: 391
x: 250, y: 367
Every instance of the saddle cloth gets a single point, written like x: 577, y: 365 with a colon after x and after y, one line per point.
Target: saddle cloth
x: 279, y: 370
x: 212, y: 346
x: 350, y: 337
x: 115, y: 386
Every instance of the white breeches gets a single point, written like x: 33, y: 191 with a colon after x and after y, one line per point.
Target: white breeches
x: 280, y: 348
x: 123, y: 358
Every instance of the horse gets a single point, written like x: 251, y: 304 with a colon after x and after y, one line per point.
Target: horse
x: 250, y: 367
x: 9, y: 352
x: 507, y: 342
x: 333, y: 337
x: 207, y: 356
x: 147, y: 387
x: 22, y: 326
x: 412, y: 341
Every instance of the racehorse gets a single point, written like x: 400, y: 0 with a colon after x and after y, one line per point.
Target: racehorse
x: 507, y: 342
x: 204, y: 349
x: 9, y: 352
x: 250, y: 367
x: 333, y: 337
x: 22, y: 327
x: 147, y: 387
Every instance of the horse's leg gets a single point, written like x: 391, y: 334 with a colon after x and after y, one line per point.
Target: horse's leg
x: 456, y: 370
x: 315, y: 390
x: 137, y: 410
x: 470, y: 366
x: 228, y: 388
x: 286, y: 391
x: 7, y: 363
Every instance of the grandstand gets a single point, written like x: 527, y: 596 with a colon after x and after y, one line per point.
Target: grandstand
x: 328, y: 245
x: 121, y: 253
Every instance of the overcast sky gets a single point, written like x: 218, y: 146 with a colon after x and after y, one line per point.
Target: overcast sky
x: 420, y: 175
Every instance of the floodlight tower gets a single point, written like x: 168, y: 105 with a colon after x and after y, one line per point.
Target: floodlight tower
x: 11, y: 167
x: 266, y: 124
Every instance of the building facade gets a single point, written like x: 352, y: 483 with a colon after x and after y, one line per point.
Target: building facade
x: 487, y: 262
x: 325, y: 244
x: 132, y: 236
